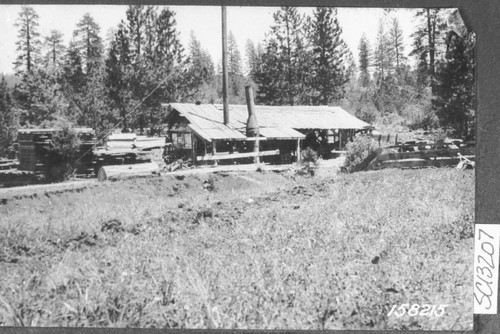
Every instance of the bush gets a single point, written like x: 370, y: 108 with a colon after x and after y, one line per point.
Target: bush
x: 368, y: 113
x: 360, y: 152
x: 420, y: 116
x: 64, y: 154
x: 309, y: 161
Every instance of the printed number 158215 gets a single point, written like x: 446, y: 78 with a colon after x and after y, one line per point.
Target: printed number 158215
x: 414, y: 310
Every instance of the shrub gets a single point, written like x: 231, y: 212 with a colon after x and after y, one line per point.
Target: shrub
x: 368, y: 113
x: 420, y: 116
x: 360, y: 152
x: 64, y: 154
x: 309, y: 161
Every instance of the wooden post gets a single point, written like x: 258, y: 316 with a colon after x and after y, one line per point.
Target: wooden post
x: 193, y: 148
x: 299, y: 158
x: 256, y: 149
x: 214, y: 151
x: 225, y: 84
x: 340, y: 140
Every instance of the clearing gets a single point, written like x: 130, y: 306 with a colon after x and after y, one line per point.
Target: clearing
x: 243, y: 250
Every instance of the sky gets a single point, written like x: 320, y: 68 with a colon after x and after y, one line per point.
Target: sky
x: 205, y: 21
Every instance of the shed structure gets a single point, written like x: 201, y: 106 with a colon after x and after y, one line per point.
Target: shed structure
x: 199, y: 130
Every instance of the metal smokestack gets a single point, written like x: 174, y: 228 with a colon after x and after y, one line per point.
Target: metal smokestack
x: 224, y: 67
x: 252, y: 124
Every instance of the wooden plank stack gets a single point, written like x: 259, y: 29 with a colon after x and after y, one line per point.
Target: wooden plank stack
x: 35, y: 144
x: 129, y: 148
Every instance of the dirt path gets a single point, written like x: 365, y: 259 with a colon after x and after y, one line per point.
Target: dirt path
x: 46, y: 188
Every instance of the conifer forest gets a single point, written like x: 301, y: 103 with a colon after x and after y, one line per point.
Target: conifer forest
x: 121, y: 80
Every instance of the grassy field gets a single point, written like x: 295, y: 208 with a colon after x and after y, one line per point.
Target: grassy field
x: 255, y: 250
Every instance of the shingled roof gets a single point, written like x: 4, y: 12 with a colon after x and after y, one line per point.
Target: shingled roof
x: 278, y: 122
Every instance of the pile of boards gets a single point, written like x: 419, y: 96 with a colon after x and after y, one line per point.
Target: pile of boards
x: 34, y: 147
x: 128, y: 154
x: 424, y: 159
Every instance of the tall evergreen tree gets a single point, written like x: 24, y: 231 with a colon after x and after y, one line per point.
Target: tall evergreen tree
x: 88, y: 42
x: 118, y: 66
x: 74, y: 78
x: 201, y: 72
x: 428, y: 39
x: 422, y: 70
x: 252, y: 54
x: 28, y: 43
x: 364, y: 61
x: 54, y: 48
x: 456, y: 90
x: 269, y: 76
x: 146, y: 65
x: 382, y: 59
x: 235, y: 75
x: 288, y: 32
x: 396, y: 44
x: 329, y: 57
x: 8, y: 118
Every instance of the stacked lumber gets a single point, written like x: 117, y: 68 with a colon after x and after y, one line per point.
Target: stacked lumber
x: 6, y: 164
x: 129, y: 148
x: 35, y: 145
x: 14, y: 178
x: 423, y: 159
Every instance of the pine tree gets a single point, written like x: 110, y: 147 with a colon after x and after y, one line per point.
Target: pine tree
x: 235, y: 75
x: 8, y: 118
x: 169, y: 59
x: 455, y: 89
x: 422, y: 70
x: 384, y: 62
x: 55, y: 48
x: 117, y: 79
x: 136, y: 28
x: 382, y: 59
x: 269, y: 76
x: 88, y: 42
x: 288, y: 32
x: 428, y: 40
x: 364, y: 61
x: 201, y: 72
x: 73, y: 75
x: 329, y: 57
x: 396, y: 44
x: 146, y: 66
x: 28, y: 43
x: 252, y: 56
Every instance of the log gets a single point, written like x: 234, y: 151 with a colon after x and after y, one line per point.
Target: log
x: 116, y: 172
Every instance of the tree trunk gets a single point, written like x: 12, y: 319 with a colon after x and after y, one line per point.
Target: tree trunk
x: 431, y: 34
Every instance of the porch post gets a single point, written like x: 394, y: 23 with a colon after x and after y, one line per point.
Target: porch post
x: 193, y: 148
x: 214, y: 151
x: 299, y: 158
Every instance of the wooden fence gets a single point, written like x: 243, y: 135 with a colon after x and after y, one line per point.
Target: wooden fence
x: 422, y: 159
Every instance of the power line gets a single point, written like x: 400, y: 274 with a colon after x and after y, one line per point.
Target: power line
x: 134, y: 109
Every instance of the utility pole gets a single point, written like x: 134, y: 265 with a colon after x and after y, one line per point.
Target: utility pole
x: 224, y: 67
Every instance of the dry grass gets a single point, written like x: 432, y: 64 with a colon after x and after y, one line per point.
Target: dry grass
x: 259, y: 250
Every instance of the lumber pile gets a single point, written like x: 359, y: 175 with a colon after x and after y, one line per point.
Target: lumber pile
x: 14, y: 178
x: 129, y: 148
x: 117, y: 172
x: 35, y: 145
x: 423, y: 159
